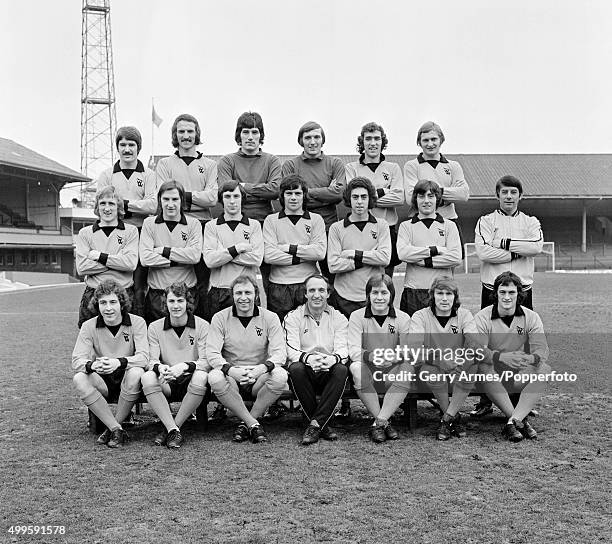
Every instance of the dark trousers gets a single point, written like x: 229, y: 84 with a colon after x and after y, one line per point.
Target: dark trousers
x: 306, y: 384
x: 414, y: 300
x: 218, y: 298
x: 346, y: 307
x: 140, y: 289
x: 282, y: 298
x: 395, y: 261
x: 202, y: 273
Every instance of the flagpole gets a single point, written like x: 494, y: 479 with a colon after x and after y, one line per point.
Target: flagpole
x: 152, y: 129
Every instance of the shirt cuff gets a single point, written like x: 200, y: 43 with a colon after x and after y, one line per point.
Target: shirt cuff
x: 428, y: 262
x: 126, y: 212
x: 88, y: 369
x: 166, y: 252
x: 188, y: 200
x: 191, y: 366
x: 495, y: 357
x: 296, y: 260
x: 226, y: 368
x: 293, y: 249
x: 103, y: 258
x: 123, y: 361
x: 232, y: 251
x: 269, y: 366
x: 156, y: 369
x: 433, y: 251
x: 380, y: 192
x: 358, y: 258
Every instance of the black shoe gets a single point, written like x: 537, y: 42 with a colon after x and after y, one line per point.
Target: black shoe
x: 103, y: 439
x: 528, y: 431
x: 275, y: 411
x: 445, y: 430
x: 345, y: 409
x: 175, y: 439
x: 219, y: 413
x: 241, y: 433
x: 328, y: 433
x: 258, y: 434
x: 118, y: 438
x: 391, y: 433
x: 311, y: 435
x: 511, y: 432
x: 161, y: 438
x: 483, y: 408
x: 457, y: 426
x: 377, y: 434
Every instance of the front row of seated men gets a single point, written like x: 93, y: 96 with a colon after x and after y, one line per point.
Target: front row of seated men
x: 244, y: 353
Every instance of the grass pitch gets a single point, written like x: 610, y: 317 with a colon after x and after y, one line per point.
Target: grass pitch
x: 479, y: 489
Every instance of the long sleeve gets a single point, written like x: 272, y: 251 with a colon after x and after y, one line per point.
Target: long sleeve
x: 269, y: 189
x: 291, y: 327
x: 381, y: 255
x: 190, y: 254
x: 354, y: 336
x: 411, y: 178
x: 272, y: 254
x: 147, y: 205
x: 394, y: 195
x: 341, y: 336
x: 154, y: 349
x: 317, y: 248
x: 202, y: 361
x: 147, y: 243
x: 533, y: 243
x: 459, y: 190
x: 256, y: 255
x: 336, y: 263
x: 537, y: 338
x: 83, y: 349
x: 277, y: 352
x: 141, y: 344
x: 329, y: 195
x: 215, y: 341
x: 85, y: 265
x: 483, y: 238
x: 452, y: 256
x: 408, y: 252
x: 207, y: 197
x: 215, y: 255
x: 127, y: 259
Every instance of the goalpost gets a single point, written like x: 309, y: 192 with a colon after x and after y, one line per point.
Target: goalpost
x: 543, y: 261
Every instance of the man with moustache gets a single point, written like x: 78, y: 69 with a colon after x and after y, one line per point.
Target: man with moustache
x: 137, y: 186
x: 198, y: 176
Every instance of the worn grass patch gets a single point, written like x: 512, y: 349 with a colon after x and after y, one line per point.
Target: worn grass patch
x: 480, y: 489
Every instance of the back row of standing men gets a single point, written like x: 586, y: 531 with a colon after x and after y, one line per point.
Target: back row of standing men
x: 184, y: 243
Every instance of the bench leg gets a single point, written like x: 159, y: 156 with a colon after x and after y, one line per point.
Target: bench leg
x: 202, y: 415
x: 94, y: 424
x: 410, y: 414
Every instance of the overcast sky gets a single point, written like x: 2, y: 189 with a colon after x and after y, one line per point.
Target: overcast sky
x: 499, y: 77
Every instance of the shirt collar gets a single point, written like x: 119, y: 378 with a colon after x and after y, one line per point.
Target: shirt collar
x: 501, y: 212
x: 495, y: 313
x: 198, y: 155
x: 255, y: 311
x: 326, y: 310
x: 362, y: 159
x: 282, y: 214
x: 139, y: 167
x: 348, y: 222
x: 242, y: 154
x: 305, y: 157
x: 438, y: 218
x: 368, y: 312
x: 120, y: 225
x: 422, y: 159
x: 160, y: 219
x: 222, y: 221
x: 190, y: 322
x: 124, y: 321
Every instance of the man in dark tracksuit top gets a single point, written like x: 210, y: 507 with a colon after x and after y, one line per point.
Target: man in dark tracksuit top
x: 324, y: 175
x: 259, y: 173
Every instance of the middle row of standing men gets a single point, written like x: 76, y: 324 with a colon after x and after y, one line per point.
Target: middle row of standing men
x: 295, y: 239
